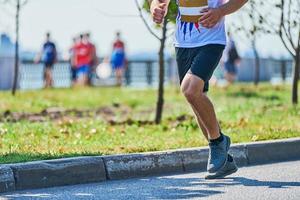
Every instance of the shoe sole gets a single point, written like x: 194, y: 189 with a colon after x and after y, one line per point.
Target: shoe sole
x: 221, y: 176
x: 227, y: 149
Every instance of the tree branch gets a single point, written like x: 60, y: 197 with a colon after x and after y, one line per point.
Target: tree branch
x: 289, y: 18
x: 145, y: 21
x: 282, y: 31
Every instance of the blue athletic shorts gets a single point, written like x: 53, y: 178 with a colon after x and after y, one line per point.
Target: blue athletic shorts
x: 118, y: 59
x: 200, y: 61
x: 82, y: 70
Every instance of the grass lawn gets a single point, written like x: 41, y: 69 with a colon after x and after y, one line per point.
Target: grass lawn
x: 246, y: 113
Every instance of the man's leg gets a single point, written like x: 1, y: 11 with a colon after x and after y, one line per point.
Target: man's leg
x: 119, y: 76
x: 48, y: 77
x: 192, y: 88
x: 200, y: 123
x: 82, y: 80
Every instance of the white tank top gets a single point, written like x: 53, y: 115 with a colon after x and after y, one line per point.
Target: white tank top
x: 189, y: 33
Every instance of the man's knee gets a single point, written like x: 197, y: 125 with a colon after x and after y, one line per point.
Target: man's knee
x: 189, y: 94
x: 192, y: 94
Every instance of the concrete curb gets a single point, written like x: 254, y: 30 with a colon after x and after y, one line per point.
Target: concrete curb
x: 59, y: 172
x: 82, y: 170
x: 7, y: 181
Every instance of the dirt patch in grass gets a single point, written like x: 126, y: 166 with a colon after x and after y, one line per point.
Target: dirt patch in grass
x: 113, y: 115
x: 107, y: 113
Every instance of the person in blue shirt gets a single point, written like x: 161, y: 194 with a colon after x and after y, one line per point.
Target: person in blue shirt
x: 48, y: 57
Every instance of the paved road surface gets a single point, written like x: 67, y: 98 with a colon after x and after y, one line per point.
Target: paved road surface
x: 276, y: 181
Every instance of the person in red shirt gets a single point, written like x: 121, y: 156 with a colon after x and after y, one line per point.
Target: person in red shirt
x: 118, y: 58
x: 82, y: 62
x: 92, y: 55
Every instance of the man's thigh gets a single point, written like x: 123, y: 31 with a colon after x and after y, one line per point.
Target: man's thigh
x: 200, y: 61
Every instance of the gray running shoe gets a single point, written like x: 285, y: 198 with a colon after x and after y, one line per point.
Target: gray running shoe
x: 218, y: 155
x: 229, y: 169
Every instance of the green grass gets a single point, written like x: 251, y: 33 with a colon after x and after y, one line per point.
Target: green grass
x: 246, y: 113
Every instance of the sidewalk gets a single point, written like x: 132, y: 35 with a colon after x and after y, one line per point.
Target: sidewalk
x: 51, y: 173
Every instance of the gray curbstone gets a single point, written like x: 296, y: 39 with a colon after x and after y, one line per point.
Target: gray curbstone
x: 240, y: 154
x: 137, y: 165
x: 194, y: 159
x: 7, y: 181
x: 273, y: 151
x: 59, y: 172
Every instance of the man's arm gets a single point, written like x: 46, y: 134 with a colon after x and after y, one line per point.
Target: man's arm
x: 159, y: 9
x: 213, y: 15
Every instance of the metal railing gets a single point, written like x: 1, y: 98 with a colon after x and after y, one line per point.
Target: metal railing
x: 138, y: 74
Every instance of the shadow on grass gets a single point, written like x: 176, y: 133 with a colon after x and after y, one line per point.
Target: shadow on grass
x: 27, y: 157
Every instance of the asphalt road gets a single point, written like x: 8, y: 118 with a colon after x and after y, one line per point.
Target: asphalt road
x: 274, y: 181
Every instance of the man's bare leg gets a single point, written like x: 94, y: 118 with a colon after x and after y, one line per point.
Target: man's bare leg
x: 48, y: 78
x: 201, y: 124
x: 119, y: 76
x: 192, y: 88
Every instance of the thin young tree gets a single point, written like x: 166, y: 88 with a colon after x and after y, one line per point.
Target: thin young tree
x: 283, y: 19
x: 18, y: 4
x: 289, y: 33
x: 170, y: 18
x: 251, y: 32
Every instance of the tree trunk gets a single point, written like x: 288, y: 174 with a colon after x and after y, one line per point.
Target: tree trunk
x: 160, y: 100
x: 257, y: 65
x: 296, y: 77
x: 16, y: 71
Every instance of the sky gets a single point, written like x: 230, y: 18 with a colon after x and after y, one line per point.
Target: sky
x: 67, y: 18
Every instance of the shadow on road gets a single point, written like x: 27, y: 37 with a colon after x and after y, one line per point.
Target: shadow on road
x: 271, y: 184
x: 148, y: 188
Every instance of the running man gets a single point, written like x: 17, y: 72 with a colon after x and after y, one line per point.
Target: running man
x: 200, y: 41
x: 48, y: 56
x: 118, y: 58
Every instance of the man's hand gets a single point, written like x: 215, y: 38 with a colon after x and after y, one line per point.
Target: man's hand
x: 210, y: 17
x: 159, y: 9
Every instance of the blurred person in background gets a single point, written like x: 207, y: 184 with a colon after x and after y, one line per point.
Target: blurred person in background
x: 93, y: 56
x: 82, y: 62
x: 48, y: 56
x: 118, y: 59
x: 232, y: 60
